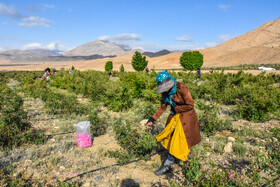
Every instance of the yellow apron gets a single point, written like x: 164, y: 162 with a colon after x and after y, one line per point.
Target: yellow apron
x: 176, y: 144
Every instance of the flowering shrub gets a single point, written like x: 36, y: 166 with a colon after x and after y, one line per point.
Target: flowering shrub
x: 208, y: 119
x: 98, y: 127
x: 134, y: 142
x: 117, y: 96
x: 14, y: 127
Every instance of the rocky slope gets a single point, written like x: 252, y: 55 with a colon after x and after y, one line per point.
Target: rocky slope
x: 99, y: 47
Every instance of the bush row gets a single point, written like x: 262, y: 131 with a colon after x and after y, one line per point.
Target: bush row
x: 14, y: 126
x: 256, y: 96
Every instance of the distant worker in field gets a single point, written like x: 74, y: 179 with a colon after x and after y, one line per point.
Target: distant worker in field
x: 211, y: 71
x: 181, y: 129
x: 198, y: 74
x: 54, y: 71
x: 110, y: 74
x: 147, y: 70
x: 47, y: 72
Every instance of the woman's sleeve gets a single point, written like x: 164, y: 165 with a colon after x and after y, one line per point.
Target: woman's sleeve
x: 188, y: 100
x: 159, y: 111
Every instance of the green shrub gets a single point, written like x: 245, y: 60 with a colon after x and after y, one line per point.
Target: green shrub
x: 14, y: 127
x: 196, y: 176
x: 134, y: 142
x: 108, y: 66
x: 257, y: 102
x: 139, y: 62
x: 62, y: 102
x: 98, y: 127
x: 208, y: 120
x: 117, y: 96
x: 142, y: 86
x: 122, y: 68
x: 276, y: 132
x: 240, y: 149
x: 191, y: 60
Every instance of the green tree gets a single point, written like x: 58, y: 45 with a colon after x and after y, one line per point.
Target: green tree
x: 191, y: 60
x: 108, y: 66
x: 122, y: 68
x: 139, y: 62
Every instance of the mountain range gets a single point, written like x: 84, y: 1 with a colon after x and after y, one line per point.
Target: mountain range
x: 259, y: 46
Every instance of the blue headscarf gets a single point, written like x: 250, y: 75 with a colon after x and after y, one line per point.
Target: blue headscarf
x: 167, y: 96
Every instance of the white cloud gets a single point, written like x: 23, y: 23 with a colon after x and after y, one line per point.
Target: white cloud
x: 225, y: 37
x: 10, y: 11
x: 148, y: 46
x: 121, y: 37
x: 59, y: 46
x: 34, y: 22
x: 27, y: 21
x: 53, y: 46
x: 184, y: 38
x: 32, y: 9
x: 33, y: 46
x: 2, y: 49
x: 154, y: 47
x: 194, y: 46
x: 224, y: 7
x: 48, y: 6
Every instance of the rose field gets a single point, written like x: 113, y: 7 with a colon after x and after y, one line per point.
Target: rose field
x: 238, y: 113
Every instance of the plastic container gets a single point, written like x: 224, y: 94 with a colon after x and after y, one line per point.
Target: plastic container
x: 83, y: 134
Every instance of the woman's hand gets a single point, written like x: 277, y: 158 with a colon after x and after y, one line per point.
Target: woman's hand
x: 149, y: 123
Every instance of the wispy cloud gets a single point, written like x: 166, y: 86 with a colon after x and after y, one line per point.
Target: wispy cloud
x: 48, y: 6
x: 121, y: 37
x: 194, y: 46
x: 10, y: 11
x: 26, y: 21
x: 224, y: 7
x: 225, y: 37
x: 2, y: 49
x: 32, y: 9
x: 53, y: 46
x: 184, y: 38
x: 34, y: 22
x: 148, y: 46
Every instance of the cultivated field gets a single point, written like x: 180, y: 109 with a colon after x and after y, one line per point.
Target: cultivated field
x: 238, y: 114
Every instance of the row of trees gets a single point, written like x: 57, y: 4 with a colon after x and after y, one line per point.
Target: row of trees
x: 190, y: 60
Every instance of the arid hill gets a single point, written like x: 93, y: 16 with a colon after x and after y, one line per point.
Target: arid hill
x: 260, y: 46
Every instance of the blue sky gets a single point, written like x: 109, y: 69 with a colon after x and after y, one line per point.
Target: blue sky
x: 152, y: 25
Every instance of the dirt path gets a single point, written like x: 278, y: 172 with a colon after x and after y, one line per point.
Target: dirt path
x: 90, y: 65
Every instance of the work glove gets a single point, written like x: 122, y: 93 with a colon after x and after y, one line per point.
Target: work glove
x: 150, y: 121
x: 149, y: 124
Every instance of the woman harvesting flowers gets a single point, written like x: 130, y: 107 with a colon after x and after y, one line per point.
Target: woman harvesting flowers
x: 182, y: 130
